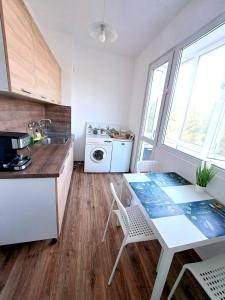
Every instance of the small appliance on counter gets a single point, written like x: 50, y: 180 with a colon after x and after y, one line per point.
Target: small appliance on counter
x: 10, y: 142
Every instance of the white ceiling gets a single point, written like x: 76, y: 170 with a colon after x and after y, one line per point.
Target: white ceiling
x: 136, y: 21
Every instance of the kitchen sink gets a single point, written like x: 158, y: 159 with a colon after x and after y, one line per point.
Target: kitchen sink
x: 54, y: 140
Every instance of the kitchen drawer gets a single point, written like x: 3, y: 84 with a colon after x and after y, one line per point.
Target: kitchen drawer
x: 63, y: 184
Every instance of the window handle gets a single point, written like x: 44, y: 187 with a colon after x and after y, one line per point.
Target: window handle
x: 153, y: 134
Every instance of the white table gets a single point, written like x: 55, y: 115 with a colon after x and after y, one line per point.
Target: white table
x: 174, y: 233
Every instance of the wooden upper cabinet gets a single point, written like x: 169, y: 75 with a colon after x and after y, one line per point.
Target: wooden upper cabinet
x: 54, y: 79
x: 41, y: 64
x: 32, y: 69
x: 19, y: 45
x: 47, y: 70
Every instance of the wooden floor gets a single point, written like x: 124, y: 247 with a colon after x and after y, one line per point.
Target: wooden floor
x: 79, y: 265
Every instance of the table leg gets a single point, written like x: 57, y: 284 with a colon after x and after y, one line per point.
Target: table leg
x: 160, y: 258
x: 163, y: 270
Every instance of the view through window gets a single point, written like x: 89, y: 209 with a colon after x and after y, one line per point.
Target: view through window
x: 196, y: 120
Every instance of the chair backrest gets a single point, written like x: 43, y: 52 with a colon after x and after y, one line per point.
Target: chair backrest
x: 120, y: 206
x: 145, y: 166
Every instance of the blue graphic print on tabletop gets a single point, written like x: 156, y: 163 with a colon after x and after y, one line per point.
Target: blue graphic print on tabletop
x: 154, y: 200
x: 208, y: 216
x: 167, y: 179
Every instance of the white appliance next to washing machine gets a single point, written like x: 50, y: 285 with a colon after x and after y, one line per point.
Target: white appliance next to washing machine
x: 98, y: 152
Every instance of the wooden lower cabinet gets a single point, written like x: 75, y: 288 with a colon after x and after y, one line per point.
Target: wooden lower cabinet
x: 33, y: 209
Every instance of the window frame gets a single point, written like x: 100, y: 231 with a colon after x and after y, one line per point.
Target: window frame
x: 207, y: 144
x: 167, y: 99
x: 167, y: 57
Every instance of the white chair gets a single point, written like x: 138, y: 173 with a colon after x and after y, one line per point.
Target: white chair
x: 210, y: 274
x: 145, y: 166
x: 133, y: 223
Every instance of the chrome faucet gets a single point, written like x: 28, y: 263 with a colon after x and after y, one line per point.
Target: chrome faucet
x: 43, y: 125
x: 44, y: 120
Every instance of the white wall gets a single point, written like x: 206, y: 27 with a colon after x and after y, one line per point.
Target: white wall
x: 101, y: 91
x: 191, y: 18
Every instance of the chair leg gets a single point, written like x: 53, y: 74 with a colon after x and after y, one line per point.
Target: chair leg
x: 121, y: 197
x: 117, y: 222
x: 107, y: 223
x: 117, y: 260
x: 177, y: 282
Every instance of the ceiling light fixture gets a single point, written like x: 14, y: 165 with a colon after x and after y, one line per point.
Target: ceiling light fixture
x: 102, y: 31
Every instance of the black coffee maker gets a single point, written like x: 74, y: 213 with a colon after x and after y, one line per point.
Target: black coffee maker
x: 10, y: 142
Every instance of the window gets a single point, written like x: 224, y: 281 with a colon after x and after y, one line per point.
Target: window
x: 154, y: 98
x: 195, y: 123
x: 157, y: 80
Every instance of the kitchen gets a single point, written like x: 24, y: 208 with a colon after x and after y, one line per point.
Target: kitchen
x: 55, y: 82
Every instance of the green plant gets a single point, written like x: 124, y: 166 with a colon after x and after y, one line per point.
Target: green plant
x: 204, y: 174
x: 95, y: 130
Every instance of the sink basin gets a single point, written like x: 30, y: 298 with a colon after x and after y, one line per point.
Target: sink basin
x: 54, y: 140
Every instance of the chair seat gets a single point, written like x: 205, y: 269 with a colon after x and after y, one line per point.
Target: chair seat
x: 139, y: 229
x: 211, y: 275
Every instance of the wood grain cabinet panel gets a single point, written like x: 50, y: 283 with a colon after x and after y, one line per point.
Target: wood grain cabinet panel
x: 55, y: 83
x: 41, y: 64
x: 20, y: 46
x: 47, y: 70
x: 54, y: 78
x: 32, y: 69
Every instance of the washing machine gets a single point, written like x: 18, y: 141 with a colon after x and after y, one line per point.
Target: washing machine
x: 98, y: 153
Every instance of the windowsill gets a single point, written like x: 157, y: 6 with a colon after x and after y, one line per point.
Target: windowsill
x: 217, y: 163
x: 220, y: 169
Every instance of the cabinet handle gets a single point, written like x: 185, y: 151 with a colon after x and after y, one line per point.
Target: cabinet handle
x: 43, y: 97
x: 123, y: 144
x: 25, y: 91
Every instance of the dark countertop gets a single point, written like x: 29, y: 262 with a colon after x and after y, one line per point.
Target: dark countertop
x: 47, y: 161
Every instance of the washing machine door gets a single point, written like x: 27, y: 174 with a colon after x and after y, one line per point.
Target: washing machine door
x: 98, y: 155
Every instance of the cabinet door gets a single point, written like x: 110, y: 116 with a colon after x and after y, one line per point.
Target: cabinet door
x: 54, y: 79
x: 41, y: 64
x: 63, y: 184
x: 121, y: 155
x: 20, y: 48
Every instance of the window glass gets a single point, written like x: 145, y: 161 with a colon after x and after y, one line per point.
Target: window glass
x: 154, y: 98
x: 218, y: 147
x: 196, y: 114
x: 206, y: 95
x: 179, y: 107
x: 146, y: 151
